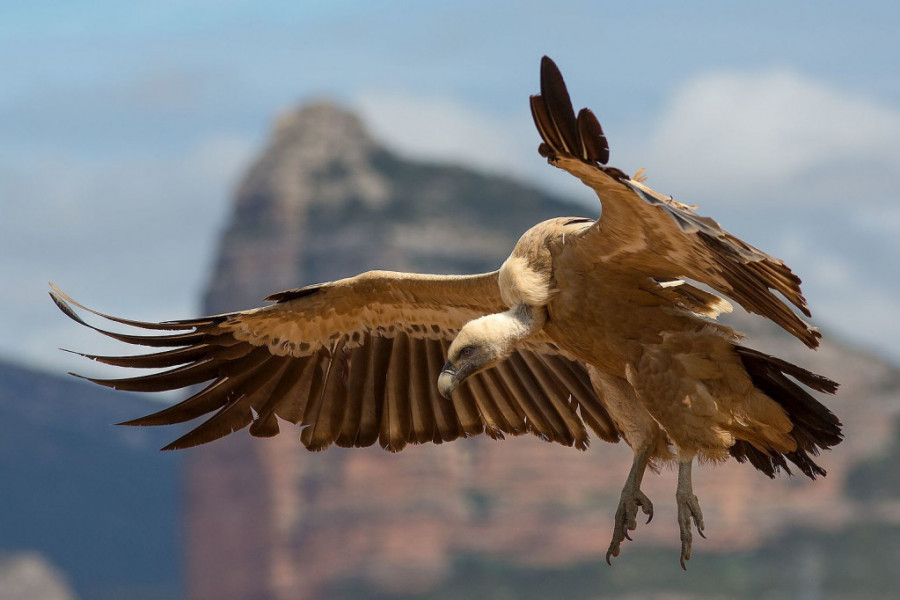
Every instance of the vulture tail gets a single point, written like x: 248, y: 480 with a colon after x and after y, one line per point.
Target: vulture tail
x: 815, y: 427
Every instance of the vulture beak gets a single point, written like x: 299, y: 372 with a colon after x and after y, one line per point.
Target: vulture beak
x: 447, y: 381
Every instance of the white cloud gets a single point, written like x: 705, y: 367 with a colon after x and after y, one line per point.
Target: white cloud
x: 776, y: 131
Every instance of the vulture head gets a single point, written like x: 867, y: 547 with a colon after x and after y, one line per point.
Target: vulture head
x: 485, y: 341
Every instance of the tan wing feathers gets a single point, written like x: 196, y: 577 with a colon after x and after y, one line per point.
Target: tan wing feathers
x: 266, y: 423
x: 535, y: 420
x: 579, y: 385
x: 646, y: 232
x: 446, y: 423
x: 556, y: 430
x: 235, y: 415
x: 467, y: 414
x: 373, y: 392
x: 356, y: 378
x: 422, y: 414
x: 510, y: 413
x: 395, y: 418
x: 372, y: 380
x: 558, y: 398
x: 325, y: 408
x: 492, y: 421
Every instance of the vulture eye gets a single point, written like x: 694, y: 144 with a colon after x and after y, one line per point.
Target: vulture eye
x: 467, y: 352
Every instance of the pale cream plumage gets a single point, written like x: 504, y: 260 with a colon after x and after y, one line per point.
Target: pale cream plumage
x: 587, y: 325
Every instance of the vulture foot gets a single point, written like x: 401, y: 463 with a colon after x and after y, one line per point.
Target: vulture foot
x: 626, y: 517
x: 689, y: 512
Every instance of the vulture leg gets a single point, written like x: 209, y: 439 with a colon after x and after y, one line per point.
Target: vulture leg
x: 632, y: 498
x: 688, y: 508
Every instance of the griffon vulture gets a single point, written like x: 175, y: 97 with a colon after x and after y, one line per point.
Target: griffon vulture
x: 587, y: 326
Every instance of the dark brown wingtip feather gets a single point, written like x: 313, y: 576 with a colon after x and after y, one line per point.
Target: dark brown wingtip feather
x: 295, y: 293
x: 594, y: 145
x: 66, y: 309
x: 552, y: 145
x: 63, y: 301
x: 559, y: 106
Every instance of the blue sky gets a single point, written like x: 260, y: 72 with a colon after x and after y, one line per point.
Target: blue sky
x: 125, y: 126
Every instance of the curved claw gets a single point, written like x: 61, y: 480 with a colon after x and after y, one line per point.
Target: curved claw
x: 688, y: 513
x: 632, y: 500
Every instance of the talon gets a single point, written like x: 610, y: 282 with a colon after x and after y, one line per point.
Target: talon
x: 688, y: 512
x: 627, y: 537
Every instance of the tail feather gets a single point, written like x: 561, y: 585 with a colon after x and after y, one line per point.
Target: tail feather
x: 815, y: 427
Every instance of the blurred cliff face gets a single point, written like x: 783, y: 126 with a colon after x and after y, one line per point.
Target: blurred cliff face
x: 325, y: 201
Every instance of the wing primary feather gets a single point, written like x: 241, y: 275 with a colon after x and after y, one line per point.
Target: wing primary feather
x: 356, y: 379
x: 156, y: 360
x: 446, y: 423
x: 544, y: 124
x: 173, y: 379
x: 63, y: 300
x: 558, y: 397
x: 236, y: 413
x: 423, y: 426
x: 559, y: 106
x: 579, y: 385
x: 211, y: 398
x: 594, y: 145
x: 395, y: 421
x: 297, y: 396
x: 373, y: 396
x: 325, y: 410
x: 283, y: 394
x: 494, y: 424
x: 314, y: 397
x: 513, y: 415
x: 467, y: 411
x: 536, y: 422
x: 267, y: 425
x: 559, y: 432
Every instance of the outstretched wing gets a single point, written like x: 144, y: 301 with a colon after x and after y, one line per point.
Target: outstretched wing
x: 355, y: 362
x: 643, y: 231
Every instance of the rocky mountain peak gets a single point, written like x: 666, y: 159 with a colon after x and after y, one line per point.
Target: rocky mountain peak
x: 324, y: 124
x: 319, y: 153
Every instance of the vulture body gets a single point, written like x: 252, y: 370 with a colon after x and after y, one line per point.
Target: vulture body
x: 587, y: 326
